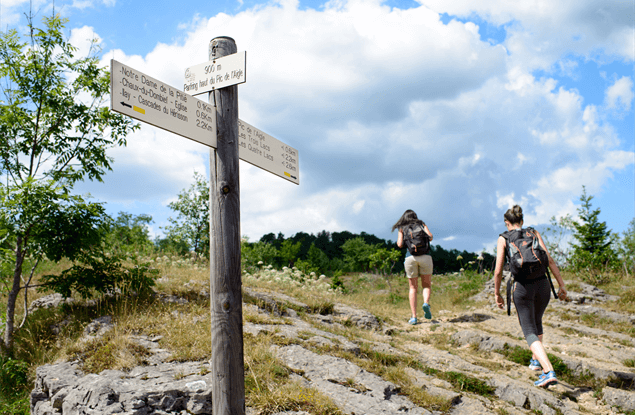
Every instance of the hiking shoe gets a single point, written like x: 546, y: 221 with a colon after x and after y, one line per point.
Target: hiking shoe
x: 546, y: 379
x: 426, y: 311
x: 413, y: 321
x: 534, y: 365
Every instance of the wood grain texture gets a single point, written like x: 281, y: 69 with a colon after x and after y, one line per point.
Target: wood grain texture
x: 228, y: 390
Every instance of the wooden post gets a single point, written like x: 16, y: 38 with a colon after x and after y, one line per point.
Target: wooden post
x: 228, y: 390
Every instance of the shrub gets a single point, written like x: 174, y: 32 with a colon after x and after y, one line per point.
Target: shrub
x: 14, y: 393
x: 103, y: 275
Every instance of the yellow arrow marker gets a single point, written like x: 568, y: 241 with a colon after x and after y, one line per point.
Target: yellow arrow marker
x: 141, y: 110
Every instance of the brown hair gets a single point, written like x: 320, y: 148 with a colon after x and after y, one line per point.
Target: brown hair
x: 514, y: 215
x: 408, y: 217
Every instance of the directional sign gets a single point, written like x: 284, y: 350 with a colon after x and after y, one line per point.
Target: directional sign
x: 220, y: 73
x: 146, y: 99
x: 268, y: 153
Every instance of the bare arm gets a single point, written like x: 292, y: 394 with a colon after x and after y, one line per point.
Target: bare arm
x: 400, y: 239
x: 498, y: 271
x: 425, y: 228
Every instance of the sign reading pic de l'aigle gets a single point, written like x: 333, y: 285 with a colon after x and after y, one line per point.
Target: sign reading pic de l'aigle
x: 146, y: 99
x: 268, y: 153
x: 220, y: 73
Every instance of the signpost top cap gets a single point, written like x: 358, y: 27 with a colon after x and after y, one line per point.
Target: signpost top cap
x: 223, y: 37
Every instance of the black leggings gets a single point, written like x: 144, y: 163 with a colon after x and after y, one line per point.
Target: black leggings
x: 531, y: 299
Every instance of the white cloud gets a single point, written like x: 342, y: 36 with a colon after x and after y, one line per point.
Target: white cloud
x: 540, y: 32
x: 619, y: 96
x: 155, y: 165
x: 82, y: 4
x: 393, y: 110
x: 82, y: 38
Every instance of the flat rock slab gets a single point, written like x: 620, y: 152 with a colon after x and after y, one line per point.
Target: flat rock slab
x: 625, y: 400
x: 351, y: 388
x: 166, y: 388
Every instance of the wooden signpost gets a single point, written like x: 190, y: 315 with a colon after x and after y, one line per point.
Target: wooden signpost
x: 216, y: 125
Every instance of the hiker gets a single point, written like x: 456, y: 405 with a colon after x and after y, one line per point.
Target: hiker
x: 531, y: 287
x: 414, y: 233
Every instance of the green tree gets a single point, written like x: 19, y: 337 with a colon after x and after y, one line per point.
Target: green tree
x: 129, y: 233
x: 592, y: 249
x: 627, y: 248
x: 253, y: 254
x: 384, y: 260
x: 289, y: 252
x: 357, y: 253
x: 192, y: 223
x: 556, y: 237
x: 318, y: 259
x: 55, y: 129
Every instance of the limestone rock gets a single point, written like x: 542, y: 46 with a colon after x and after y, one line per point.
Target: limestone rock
x: 168, y: 388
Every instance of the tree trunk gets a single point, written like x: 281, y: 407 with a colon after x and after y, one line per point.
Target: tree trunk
x: 13, y: 296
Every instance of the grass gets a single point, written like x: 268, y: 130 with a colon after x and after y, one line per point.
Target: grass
x: 270, y: 386
x: 593, y: 321
x: 466, y: 383
x: 581, y: 379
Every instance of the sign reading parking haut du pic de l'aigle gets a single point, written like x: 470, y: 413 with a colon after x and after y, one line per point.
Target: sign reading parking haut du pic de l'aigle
x: 220, y: 73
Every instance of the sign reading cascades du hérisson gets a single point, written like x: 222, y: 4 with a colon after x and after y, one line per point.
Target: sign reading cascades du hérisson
x: 146, y: 99
x: 149, y: 100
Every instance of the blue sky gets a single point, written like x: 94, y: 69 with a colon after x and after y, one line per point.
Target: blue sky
x: 454, y: 109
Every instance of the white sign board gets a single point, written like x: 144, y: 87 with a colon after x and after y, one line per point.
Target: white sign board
x: 220, y: 73
x: 146, y: 99
x: 268, y: 153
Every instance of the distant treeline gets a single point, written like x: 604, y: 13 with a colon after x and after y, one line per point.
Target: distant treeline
x: 329, y: 252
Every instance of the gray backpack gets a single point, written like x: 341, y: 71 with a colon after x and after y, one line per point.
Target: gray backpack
x: 416, y: 239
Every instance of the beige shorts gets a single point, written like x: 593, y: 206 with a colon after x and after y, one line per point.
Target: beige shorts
x: 418, y: 265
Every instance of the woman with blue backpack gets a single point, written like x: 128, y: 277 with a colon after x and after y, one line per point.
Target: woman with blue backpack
x: 415, y: 235
x: 529, y: 263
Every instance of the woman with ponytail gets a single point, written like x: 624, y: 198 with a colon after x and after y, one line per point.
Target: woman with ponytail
x: 417, y: 264
x: 531, y: 295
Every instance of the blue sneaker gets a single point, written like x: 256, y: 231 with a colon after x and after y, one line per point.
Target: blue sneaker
x: 534, y: 365
x: 426, y: 311
x: 546, y: 379
x: 413, y: 321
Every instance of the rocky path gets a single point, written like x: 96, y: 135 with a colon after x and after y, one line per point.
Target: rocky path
x: 470, y: 346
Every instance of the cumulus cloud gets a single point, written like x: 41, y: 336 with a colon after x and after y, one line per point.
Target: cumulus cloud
x: 409, y: 113
x: 85, y: 40
x: 619, y: 96
x: 393, y: 109
x: 541, y: 32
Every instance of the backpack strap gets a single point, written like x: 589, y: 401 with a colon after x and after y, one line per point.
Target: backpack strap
x: 553, y: 289
x: 505, y: 235
x: 510, y: 283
